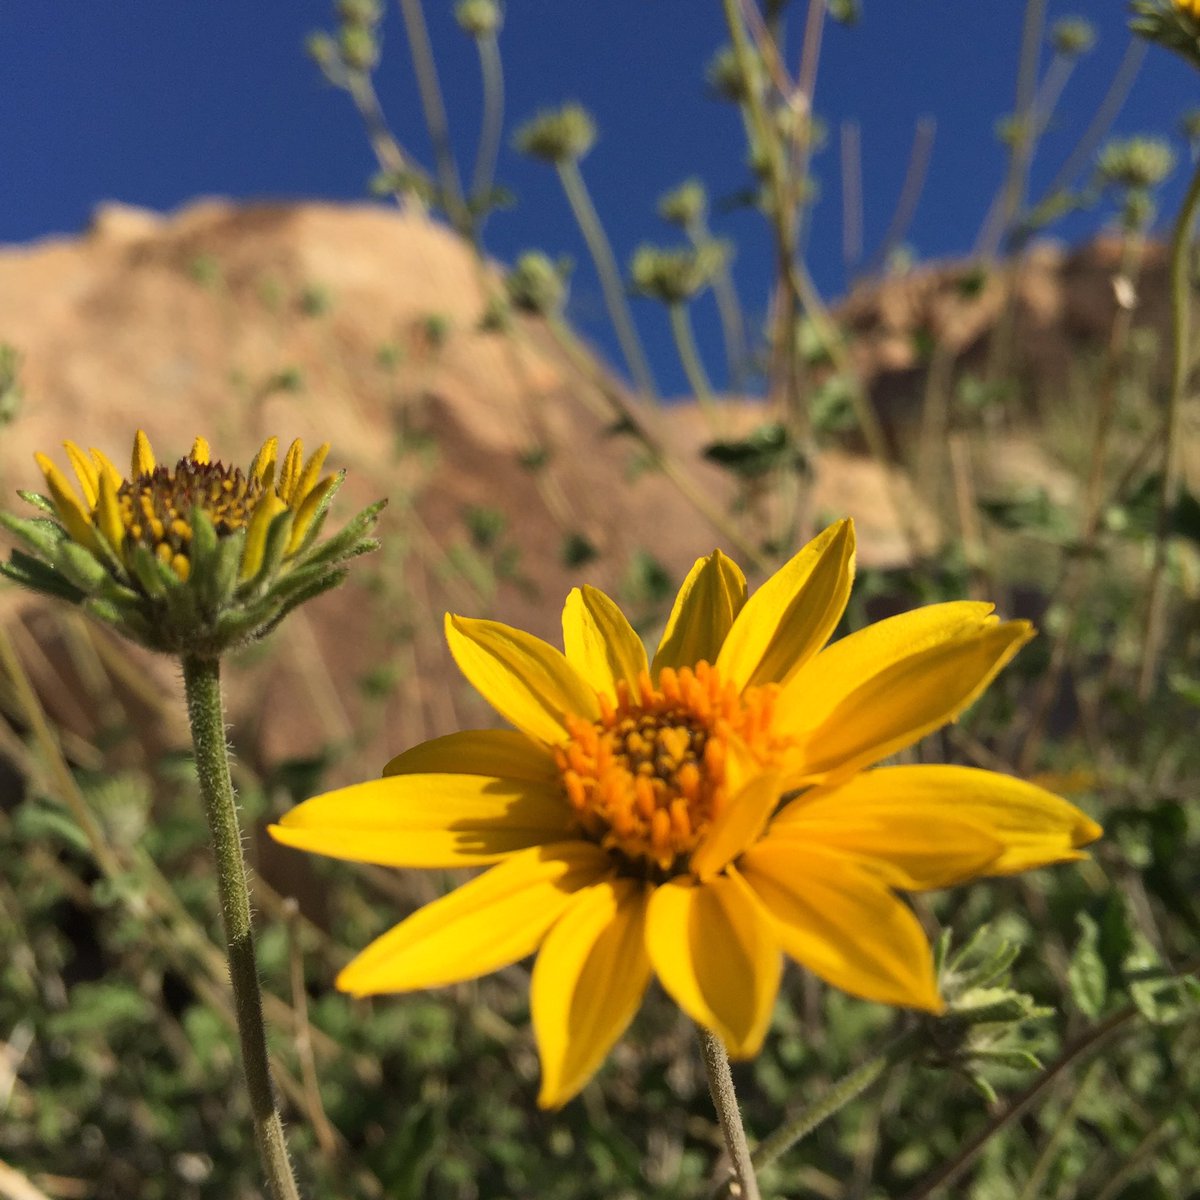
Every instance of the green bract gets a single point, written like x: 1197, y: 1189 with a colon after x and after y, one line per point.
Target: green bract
x: 192, y: 559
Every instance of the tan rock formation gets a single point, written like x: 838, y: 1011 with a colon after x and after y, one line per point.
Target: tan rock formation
x: 360, y: 326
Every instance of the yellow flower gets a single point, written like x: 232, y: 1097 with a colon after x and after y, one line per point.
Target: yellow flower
x: 1191, y: 7
x: 696, y: 816
x: 191, y: 558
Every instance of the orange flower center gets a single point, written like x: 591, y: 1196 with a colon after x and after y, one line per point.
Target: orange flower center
x: 649, y: 777
x: 156, y: 506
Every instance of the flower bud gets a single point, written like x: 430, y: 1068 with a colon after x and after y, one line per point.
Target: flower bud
x: 557, y: 135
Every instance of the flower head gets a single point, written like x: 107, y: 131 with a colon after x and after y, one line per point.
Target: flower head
x: 698, y: 815
x: 1174, y: 24
x: 191, y: 558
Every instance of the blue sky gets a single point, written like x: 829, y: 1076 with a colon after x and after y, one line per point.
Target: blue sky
x: 154, y: 103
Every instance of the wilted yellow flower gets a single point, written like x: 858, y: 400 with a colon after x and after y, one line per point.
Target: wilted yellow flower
x: 698, y: 815
x: 186, y: 558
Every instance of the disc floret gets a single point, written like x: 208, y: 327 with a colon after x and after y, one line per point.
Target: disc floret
x: 649, y: 777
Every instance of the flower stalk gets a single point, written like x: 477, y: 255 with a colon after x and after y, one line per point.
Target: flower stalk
x: 720, y: 1086
x: 202, y: 682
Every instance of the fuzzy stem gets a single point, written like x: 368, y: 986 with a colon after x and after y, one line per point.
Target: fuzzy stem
x: 1181, y: 241
x: 202, y: 682
x: 720, y: 1085
x: 848, y: 1088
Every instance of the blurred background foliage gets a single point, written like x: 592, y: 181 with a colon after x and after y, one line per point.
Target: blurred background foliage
x: 118, y: 1075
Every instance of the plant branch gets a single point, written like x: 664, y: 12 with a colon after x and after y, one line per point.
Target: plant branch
x: 720, y: 1085
x: 202, y: 683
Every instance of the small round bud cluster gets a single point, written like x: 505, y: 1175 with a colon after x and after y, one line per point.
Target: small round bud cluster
x: 684, y: 206
x: 727, y: 79
x: 674, y: 276
x: 1136, y: 163
x: 359, y: 12
x: 479, y: 18
x: 557, y: 135
x: 536, y: 284
x: 1072, y: 36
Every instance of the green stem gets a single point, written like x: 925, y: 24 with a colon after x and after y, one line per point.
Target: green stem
x: 720, y: 1085
x: 434, y: 108
x: 689, y: 356
x: 733, y: 325
x: 848, y: 1088
x: 491, y: 70
x: 1181, y: 241
x: 202, y: 682
x: 610, y: 276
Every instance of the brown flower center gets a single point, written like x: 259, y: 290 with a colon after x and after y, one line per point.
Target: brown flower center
x: 156, y: 507
x: 649, y: 777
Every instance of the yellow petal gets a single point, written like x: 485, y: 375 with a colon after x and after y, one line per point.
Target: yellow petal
x: 262, y: 465
x: 787, y: 620
x: 486, y: 924
x: 588, y: 981
x: 201, y: 453
x: 71, y: 512
x: 908, y: 855
x: 143, y: 456
x: 307, y: 510
x: 599, y: 641
x: 108, y: 513
x: 253, y: 552
x: 717, y: 956
x: 310, y: 474
x: 105, y: 466
x: 289, y: 472
x: 502, y: 752
x: 1033, y: 827
x: 85, y: 472
x: 737, y: 826
x: 859, y: 707
x: 428, y: 820
x: 527, y: 681
x: 839, y: 919
x: 710, y: 599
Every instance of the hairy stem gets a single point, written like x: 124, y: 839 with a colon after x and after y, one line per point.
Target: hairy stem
x: 202, y: 682
x: 720, y: 1085
x: 848, y: 1088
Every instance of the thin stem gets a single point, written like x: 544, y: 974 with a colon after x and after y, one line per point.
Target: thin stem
x: 202, y: 683
x: 1181, y: 241
x: 491, y: 70
x: 720, y: 1086
x: 627, y: 414
x: 848, y: 1088
x: 434, y: 108
x: 733, y: 325
x: 388, y: 152
x: 689, y: 356
x: 910, y: 194
x: 1016, y: 181
x: 610, y: 276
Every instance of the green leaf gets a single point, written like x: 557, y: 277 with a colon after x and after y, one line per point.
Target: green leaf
x: 1086, y: 974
